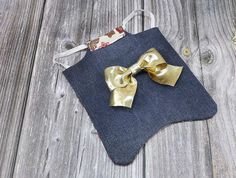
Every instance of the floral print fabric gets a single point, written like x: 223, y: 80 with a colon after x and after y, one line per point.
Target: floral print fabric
x: 107, y: 39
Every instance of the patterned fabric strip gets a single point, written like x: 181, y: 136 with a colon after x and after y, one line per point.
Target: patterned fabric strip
x: 107, y: 39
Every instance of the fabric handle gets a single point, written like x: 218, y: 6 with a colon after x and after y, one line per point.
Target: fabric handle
x: 68, y: 53
x: 85, y: 46
x: 133, y: 13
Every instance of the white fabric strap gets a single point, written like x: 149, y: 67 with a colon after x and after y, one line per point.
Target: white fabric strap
x: 84, y: 46
x: 67, y: 53
x: 132, y: 14
x: 71, y: 51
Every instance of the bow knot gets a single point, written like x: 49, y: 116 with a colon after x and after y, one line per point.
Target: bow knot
x: 123, y: 85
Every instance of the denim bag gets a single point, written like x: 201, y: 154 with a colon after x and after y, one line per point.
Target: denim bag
x: 124, y: 131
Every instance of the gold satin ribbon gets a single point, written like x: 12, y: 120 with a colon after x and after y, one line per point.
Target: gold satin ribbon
x: 123, y: 85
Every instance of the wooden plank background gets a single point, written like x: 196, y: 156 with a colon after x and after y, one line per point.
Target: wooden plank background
x: 46, y: 132
x: 20, y: 24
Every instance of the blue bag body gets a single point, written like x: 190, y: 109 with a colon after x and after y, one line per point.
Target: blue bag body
x: 124, y: 131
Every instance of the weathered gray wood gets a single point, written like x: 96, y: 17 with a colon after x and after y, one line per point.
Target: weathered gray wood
x: 20, y: 21
x: 180, y: 150
x: 216, y: 24
x: 56, y: 139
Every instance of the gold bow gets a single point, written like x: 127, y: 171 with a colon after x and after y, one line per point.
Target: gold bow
x: 123, y: 85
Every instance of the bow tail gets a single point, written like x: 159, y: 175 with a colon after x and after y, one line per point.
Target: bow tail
x: 124, y: 96
x: 167, y: 76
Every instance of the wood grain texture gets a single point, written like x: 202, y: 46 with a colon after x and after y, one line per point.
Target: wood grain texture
x: 216, y: 26
x: 57, y: 137
x: 183, y: 149
x: 20, y: 21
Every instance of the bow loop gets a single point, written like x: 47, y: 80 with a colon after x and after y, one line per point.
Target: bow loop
x: 123, y: 85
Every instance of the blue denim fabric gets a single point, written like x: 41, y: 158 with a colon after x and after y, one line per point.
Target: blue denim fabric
x: 124, y: 131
